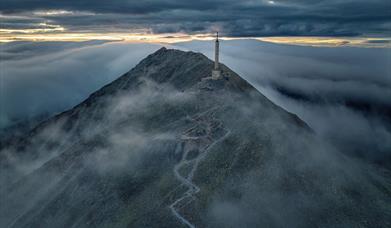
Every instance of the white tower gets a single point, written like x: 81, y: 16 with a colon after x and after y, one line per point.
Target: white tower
x: 216, y: 74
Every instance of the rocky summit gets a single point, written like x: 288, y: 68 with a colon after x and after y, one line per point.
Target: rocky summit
x: 165, y: 145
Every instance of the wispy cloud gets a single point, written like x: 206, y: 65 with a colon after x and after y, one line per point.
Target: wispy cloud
x: 233, y: 18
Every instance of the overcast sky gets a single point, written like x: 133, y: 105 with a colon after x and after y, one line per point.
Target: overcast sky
x: 233, y: 18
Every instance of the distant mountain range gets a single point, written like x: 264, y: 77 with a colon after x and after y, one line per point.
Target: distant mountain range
x: 164, y: 145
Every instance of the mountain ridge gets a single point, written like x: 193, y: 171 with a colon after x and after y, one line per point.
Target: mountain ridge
x: 241, y: 83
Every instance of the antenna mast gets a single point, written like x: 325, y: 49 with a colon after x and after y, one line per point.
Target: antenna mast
x: 216, y: 70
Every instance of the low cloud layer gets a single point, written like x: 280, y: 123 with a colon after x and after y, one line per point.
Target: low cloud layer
x: 289, y: 179
x: 38, y: 78
x: 342, y: 93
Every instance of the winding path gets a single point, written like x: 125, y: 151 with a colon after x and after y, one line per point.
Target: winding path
x: 187, y: 181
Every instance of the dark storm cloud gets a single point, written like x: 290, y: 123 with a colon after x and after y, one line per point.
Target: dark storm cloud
x: 115, y: 6
x: 232, y: 18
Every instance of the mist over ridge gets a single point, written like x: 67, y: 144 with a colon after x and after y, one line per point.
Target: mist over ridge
x: 195, y: 114
x: 340, y: 92
x: 112, y: 160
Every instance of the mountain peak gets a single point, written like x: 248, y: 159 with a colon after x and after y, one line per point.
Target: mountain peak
x: 183, y: 70
x: 165, y: 145
x: 162, y: 49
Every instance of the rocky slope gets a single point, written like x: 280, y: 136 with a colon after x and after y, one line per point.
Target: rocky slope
x: 165, y: 146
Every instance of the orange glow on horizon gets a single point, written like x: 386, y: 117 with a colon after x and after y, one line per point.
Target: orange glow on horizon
x: 50, y: 34
x: 7, y: 36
